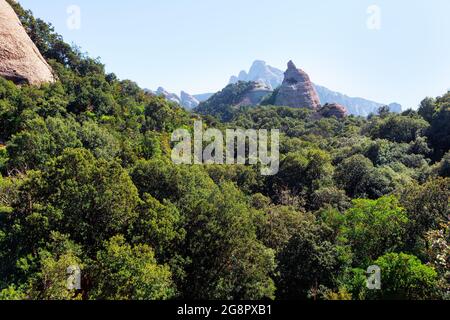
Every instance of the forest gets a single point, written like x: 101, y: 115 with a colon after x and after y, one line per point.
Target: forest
x: 87, y: 180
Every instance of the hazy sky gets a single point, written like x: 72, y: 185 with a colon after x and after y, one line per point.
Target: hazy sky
x: 400, y: 51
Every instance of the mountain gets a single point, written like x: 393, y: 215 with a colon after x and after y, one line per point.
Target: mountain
x: 185, y: 99
x: 20, y: 59
x: 203, y: 97
x: 188, y: 101
x: 273, y: 77
x: 222, y: 104
x: 297, y: 90
x: 261, y: 72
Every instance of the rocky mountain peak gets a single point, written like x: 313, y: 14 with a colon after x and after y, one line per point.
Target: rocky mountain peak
x: 20, y: 59
x: 260, y: 72
x: 297, y: 90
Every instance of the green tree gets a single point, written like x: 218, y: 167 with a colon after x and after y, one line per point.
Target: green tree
x: 374, y: 227
x: 309, y: 260
x: 404, y: 277
x: 125, y: 272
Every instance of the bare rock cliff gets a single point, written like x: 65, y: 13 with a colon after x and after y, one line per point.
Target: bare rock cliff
x: 20, y: 59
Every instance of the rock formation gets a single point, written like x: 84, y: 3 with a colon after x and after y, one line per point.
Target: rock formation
x: 297, y: 90
x: 260, y: 72
x: 188, y: 101
x: 172, y: 97
x: 20, y: 59
x: 333, y: 110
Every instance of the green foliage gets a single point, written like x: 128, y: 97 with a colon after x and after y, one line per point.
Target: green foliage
x: 374, y: 227
x: 360, y: 179
x: 221, y: 105
x: 86, y: 179
x: 439, y: 131
x: 125, y: 272
x: 303, y: 173
x: 427, y: 206
x: 398, y: 128
x: 310, y: 259
x: 404, y: 277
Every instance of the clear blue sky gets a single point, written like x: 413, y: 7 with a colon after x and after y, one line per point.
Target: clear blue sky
x: 196, y: 45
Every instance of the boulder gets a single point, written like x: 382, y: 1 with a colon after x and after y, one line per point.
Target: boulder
x: 333, y: 110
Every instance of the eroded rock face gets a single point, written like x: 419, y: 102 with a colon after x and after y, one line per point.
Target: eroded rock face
x: 188, y: 101
x: 297, y: 90
x: 20, y: 60
x: 172, y: 97
x: 333, y: 110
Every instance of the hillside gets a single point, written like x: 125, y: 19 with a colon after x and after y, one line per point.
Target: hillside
x: 87, y: 182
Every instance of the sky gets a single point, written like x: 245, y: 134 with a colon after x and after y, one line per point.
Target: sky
x: 383, y: 50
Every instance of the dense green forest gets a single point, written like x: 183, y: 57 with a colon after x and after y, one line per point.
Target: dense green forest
x: 86, y: 179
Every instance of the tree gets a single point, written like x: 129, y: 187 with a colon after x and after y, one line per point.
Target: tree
x: 439, y: 132
x: 303, y: 173
x: 404, y: 277
x: 279, y: 224
x: 360, y: 179
x: 374, y: 227
x: 438, y: 253
x: 309, y: 260
x: 89, y: 199
x: 399, y: 128
x: 158, y: 224
x: 50, y: 282
x: 427, y: 206
x: 427, y: 109
x: 125, y: 272
x: 228, y: 261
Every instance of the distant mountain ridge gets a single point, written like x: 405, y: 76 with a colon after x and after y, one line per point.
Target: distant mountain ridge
x: 260, y: 71
x: 185, y: 100
x: 272, y: 78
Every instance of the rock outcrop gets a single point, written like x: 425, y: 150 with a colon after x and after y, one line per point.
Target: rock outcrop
x: 20, y: 59
x: 172, y: 97
x: 333, y: 110
x: 297, y: 90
